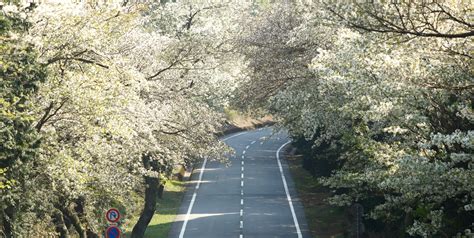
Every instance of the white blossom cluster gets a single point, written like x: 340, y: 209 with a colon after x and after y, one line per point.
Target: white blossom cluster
x: 399, y: 106
x: 121, y: 84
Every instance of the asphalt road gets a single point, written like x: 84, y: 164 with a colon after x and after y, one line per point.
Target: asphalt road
x: 254, y: 197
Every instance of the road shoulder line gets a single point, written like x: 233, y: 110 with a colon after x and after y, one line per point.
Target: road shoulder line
x: 193, y: 199
x: 288, y: 196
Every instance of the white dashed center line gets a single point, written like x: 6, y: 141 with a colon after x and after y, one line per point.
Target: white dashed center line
x: 242, y: 191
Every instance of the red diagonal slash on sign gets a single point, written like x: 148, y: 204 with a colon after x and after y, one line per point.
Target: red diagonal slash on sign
x: 112, y: 215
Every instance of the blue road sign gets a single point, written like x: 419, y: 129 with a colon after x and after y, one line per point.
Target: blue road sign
x: 113, y: 232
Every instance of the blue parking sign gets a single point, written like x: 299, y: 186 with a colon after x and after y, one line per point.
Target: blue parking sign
x: 113, y: 232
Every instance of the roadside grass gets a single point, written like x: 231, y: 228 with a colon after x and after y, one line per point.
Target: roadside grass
x: 324, y: 220
x: 166, y: 211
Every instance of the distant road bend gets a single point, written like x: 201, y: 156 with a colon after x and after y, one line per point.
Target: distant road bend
x: 254, y: 197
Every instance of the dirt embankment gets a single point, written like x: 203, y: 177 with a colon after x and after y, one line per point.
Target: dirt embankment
x: 236, y: 123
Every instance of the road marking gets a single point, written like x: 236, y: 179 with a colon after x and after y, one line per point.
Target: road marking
x: 241, y: 212
x: 241, y: 183
x: 241, y: 133
x: 243, y: 157
x: 241, y: 224
x: 241, y: 236
x: 253, y: 142
x: 242, y: 162
x: 247, y: 147
x: 243, y: 153
x: 241, y: 201
x: 242, y: 175
x: 193, y: 199
x: 242, y: 168
x: 295, y: 220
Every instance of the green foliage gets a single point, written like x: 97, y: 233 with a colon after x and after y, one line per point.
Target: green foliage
x: 20, y: 74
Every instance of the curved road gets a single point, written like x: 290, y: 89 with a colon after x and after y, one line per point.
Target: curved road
x: 254, y: 197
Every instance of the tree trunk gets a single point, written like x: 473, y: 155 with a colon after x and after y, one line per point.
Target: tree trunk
x: 81, y: 213
x: 76, y: 222
x: 92, y: 234
x: 7, y: 221
x: 151, y: 196
x: 60, y: 224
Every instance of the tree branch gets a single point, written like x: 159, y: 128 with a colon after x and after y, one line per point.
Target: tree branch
x: 48, y: 114
x: 75, y: 56
x: 176, y: 60
x: 386, y: 26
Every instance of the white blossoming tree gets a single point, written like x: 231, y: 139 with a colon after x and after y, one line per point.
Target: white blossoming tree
x: 130, y: 92
x: 383, y: 91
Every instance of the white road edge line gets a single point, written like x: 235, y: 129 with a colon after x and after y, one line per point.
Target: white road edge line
x: 193, y: 199
x: 295, y: 220
x: 241, y: 133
